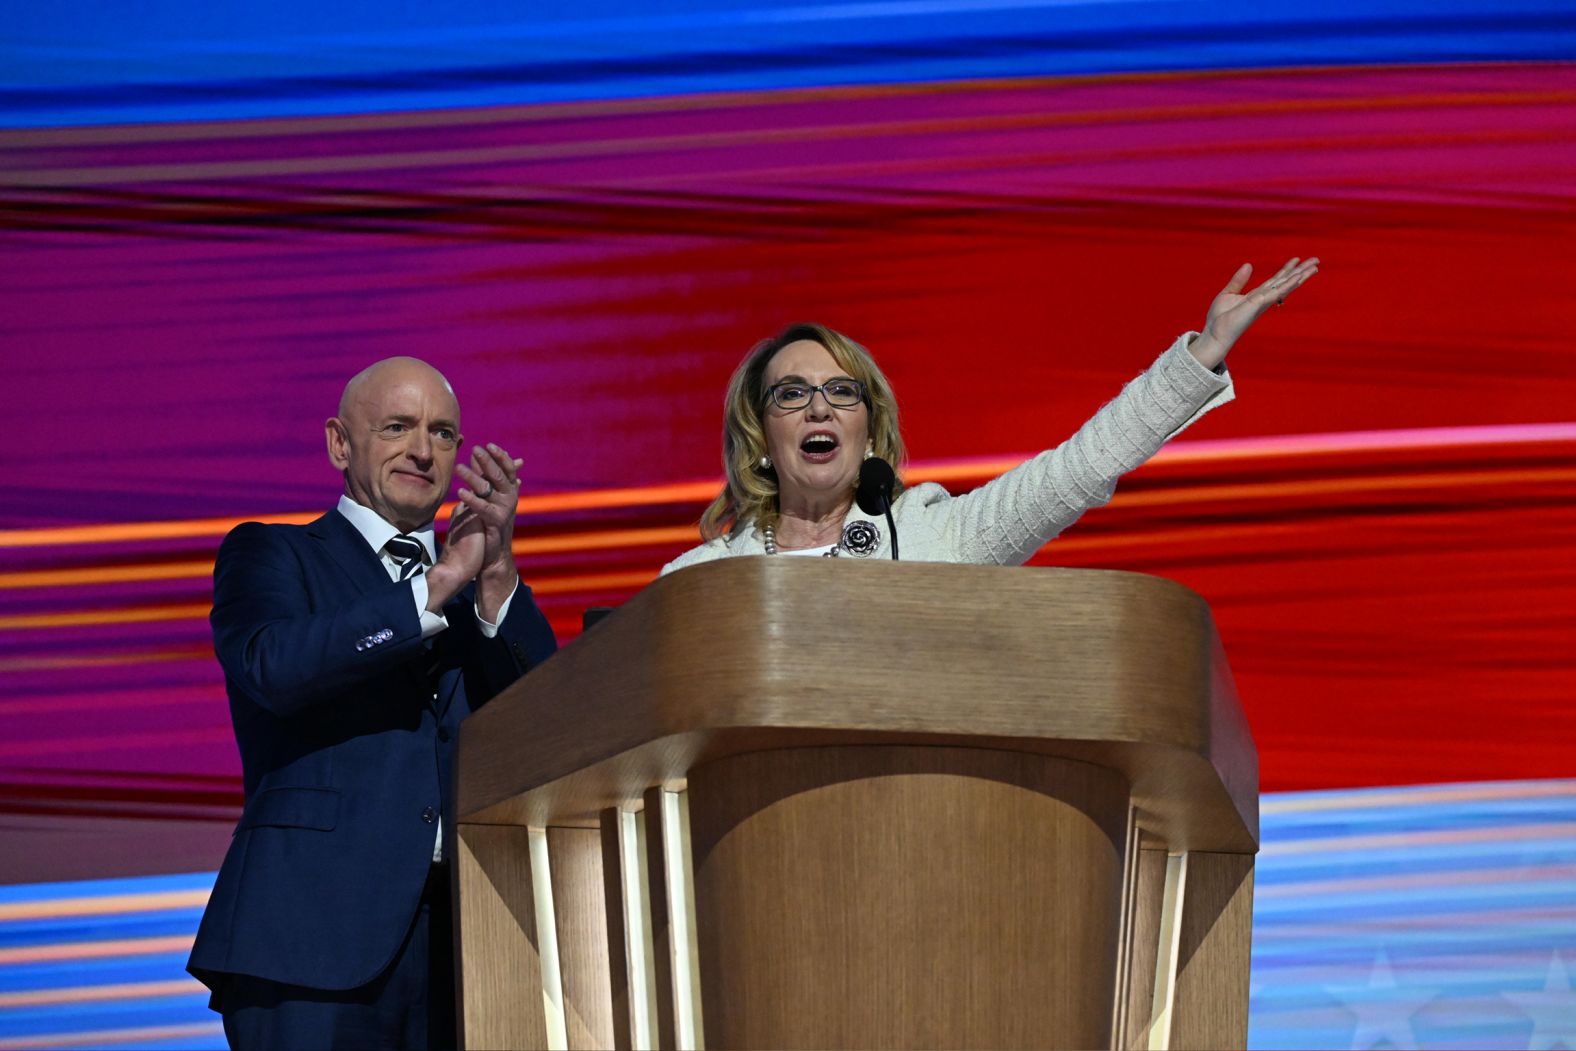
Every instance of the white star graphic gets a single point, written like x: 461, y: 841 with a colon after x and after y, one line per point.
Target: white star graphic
x: 1384, y: 1009
x: 1552, y: 1010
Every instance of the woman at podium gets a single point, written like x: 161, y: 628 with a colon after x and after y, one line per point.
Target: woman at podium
x: 809, y: 407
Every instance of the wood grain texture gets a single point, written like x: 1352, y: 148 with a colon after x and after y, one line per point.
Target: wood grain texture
x: 1112, y: 668
x: 499, y: 974
x: 579, y: 908
x: 1210, y: 1006
x: 906, y: 897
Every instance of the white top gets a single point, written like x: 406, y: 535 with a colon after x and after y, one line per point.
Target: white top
x: 1006, y: 520
x: 822, y: 551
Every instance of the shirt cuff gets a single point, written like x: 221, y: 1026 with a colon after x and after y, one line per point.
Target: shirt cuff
x: 431, y: 623
x: 489, y: 629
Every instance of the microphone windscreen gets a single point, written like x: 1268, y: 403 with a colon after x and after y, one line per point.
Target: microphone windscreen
x: 874, y: 494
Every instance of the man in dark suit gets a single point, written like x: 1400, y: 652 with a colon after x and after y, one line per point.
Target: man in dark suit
x: 351, y: 652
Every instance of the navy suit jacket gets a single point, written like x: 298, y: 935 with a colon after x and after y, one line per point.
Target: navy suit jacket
x: 346, y: 756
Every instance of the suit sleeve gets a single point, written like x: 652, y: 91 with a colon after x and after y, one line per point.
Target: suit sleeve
x: 285, y: 646
x: 524, y: 640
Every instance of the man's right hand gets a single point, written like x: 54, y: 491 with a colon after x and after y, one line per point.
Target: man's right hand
x: 461, y: 560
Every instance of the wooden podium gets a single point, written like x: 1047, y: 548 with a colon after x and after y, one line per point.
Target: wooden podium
x: 806, y: 803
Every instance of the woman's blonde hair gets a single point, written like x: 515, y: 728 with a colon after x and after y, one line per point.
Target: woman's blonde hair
x: 750, y: 493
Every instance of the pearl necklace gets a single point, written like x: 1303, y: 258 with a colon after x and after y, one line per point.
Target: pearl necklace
x: 770, y: 536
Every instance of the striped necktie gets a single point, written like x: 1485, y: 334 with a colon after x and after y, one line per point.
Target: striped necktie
x: 407, y: 555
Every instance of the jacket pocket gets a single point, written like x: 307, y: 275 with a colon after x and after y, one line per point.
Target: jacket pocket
x: 316, y: 808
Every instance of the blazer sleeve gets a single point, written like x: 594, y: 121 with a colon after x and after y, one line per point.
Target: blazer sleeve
x: 287, y: 646
x: 1005, y: 521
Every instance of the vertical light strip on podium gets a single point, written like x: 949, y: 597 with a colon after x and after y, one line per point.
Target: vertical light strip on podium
x: 1170, y: 949
x: 1124, y: 935
x: 680, y: 874
x: 547, y: 942
x: 638, y: 947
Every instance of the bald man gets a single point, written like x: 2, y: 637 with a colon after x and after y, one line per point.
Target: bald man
x: 352, y: 649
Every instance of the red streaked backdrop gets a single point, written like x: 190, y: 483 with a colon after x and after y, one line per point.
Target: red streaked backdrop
x: 1383, y: 522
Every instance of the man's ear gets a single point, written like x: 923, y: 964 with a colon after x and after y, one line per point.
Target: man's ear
x: 338, y: 442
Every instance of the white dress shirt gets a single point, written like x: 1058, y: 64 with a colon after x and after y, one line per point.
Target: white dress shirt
x: 378, y: 533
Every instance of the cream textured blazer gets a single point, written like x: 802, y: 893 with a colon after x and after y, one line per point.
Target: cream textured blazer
x: 1006, y: 520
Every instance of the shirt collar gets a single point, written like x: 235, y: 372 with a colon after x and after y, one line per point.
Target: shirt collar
x: 377, y: 532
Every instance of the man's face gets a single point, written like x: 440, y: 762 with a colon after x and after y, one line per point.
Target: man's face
x: 395, y: 439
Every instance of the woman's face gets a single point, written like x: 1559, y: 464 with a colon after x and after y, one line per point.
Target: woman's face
x: 817, y: 449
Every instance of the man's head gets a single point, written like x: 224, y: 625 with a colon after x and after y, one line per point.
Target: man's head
x: 395, y: 438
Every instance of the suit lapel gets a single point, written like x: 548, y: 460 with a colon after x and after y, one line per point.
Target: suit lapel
x: 357, y: 560
x: 349, y: 550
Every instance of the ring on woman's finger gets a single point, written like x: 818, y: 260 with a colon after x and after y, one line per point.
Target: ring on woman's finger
x: 1281, y: 301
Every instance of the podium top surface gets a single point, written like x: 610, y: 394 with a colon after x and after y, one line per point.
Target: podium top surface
x: 1118, y: 669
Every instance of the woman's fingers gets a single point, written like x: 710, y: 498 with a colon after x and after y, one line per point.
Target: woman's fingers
x: 1239, y: 280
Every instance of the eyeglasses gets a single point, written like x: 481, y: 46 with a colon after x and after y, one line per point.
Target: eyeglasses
x: 841, y: 393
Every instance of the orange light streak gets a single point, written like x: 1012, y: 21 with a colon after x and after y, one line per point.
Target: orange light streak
x: 77, y: 619
x: 636, y: 579
x: 99, y: 950
x: 595, y: 582
x: 121, y: 532
x: 86, y: 994
x: 196, y: 528
x: 148, y: 1034
x: 612, y: 539
x: 199, y: 610
x: 1271, y: 446
x: 604, y: 539
x: 102, y: 660
x: 1193, y: 496
x: 94, y: 576
x: 99, y: 906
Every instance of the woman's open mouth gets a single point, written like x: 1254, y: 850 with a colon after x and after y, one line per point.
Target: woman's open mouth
x: 818, y: 447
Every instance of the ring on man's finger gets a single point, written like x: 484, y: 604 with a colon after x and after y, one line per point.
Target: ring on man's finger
x: 488, y: 493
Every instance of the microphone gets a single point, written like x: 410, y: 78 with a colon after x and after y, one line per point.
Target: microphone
x: 874, y: 494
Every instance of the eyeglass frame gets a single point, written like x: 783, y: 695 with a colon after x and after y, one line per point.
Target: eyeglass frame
x: 819, y: 388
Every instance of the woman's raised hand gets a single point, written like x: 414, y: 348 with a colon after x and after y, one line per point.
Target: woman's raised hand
x: 1232, y: 311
